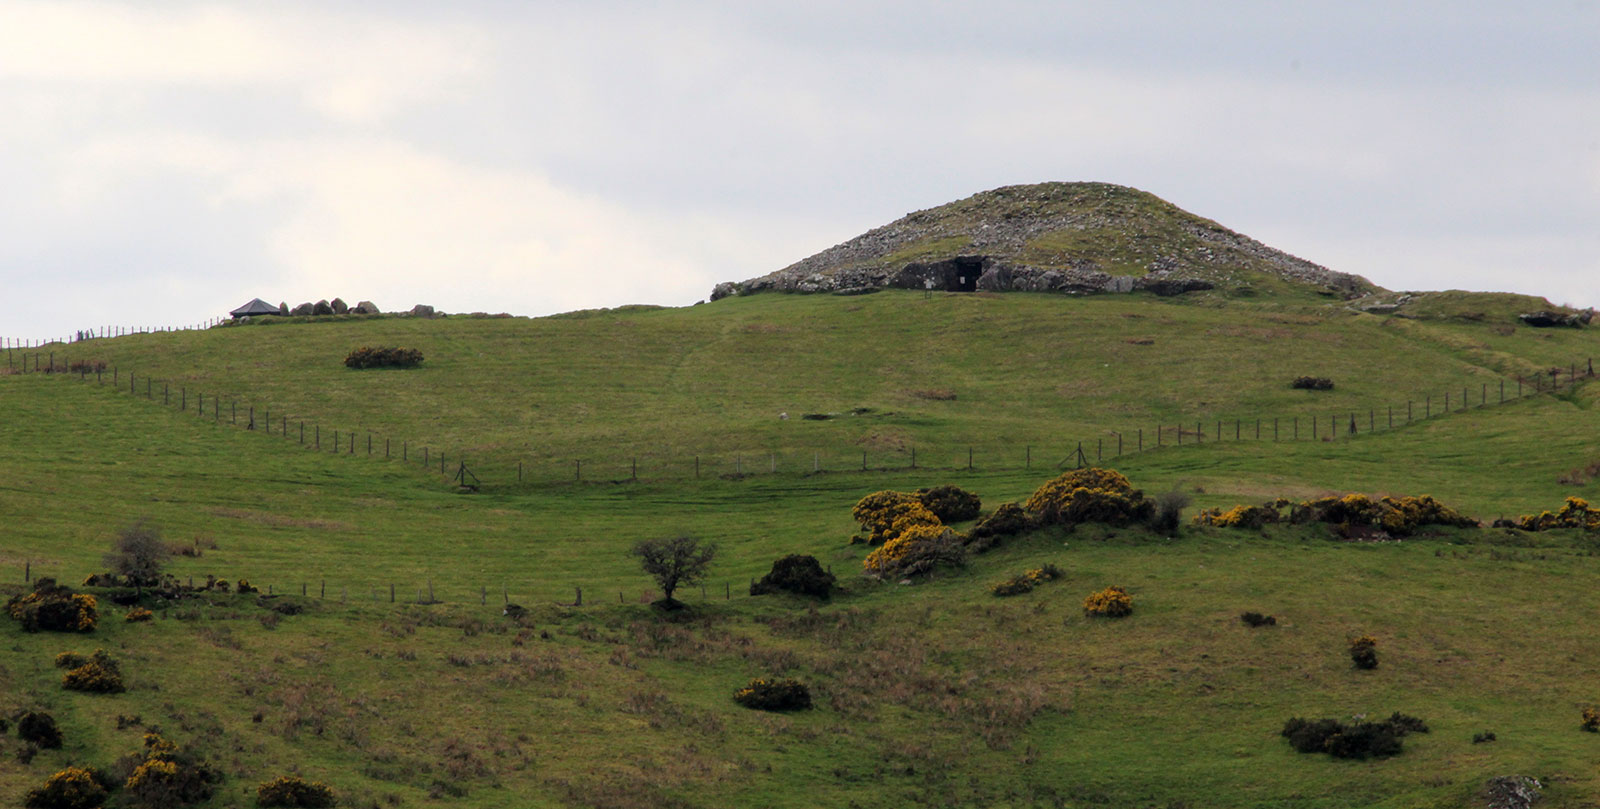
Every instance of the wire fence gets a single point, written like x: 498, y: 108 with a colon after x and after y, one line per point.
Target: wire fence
x: 509, y: 471
x: 504, y: 595
x: 101, y: 332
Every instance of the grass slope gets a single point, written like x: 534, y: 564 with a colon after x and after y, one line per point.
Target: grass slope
x: 661, y: 387
x: 937, y: 694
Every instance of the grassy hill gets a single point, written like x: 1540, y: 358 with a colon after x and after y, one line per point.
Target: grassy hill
x: 1085, y: 233
x: 935, y: 694
x: 897, y: 371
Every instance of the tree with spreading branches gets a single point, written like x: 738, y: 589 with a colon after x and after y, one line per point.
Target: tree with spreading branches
x: 673, y: 562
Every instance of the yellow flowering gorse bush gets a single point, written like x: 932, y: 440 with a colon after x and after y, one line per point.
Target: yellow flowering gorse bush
x: 1112, y: 602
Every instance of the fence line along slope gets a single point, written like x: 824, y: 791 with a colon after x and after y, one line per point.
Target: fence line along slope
x: 880, y: 373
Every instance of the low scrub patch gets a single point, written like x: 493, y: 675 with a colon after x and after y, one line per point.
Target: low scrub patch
x: 1394, y: 516
x: 138, y: 615
x: 1256, y: 619
x: 779, y: 694
x: 1311, y: 383
x: 294, y: 791
x: 383, y: 357
x: 1017, y: 585
x: 98, y: 674
x: 1358, y: 739
x: 1575, y: 513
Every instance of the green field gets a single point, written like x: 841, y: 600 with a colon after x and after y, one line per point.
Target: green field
x: 935, y: 694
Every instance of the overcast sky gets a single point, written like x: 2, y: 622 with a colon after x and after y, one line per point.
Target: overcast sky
x: 161, y: 163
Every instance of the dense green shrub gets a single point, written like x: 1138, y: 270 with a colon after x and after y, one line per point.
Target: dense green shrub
x: 1112, y: 602
x: 1364, y: 652
x: 99, y: 675
x: 1009, y: 519
x: 950, y: 503
x: 383, y: 357
x: 1311, y: 383
x: 798, y: 574
x: 54, y: 608
x: 778, y: 694
x: 39, y: 728
x: 294, y: 791
x: 71, y: 788
x: 1356, y: 740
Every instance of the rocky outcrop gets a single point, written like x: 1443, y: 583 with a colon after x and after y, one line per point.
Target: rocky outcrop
x: 1072, y: 238
x: 283, y: 308
x: 366, y: 308
x: 322, y: 308
x: 339, y: 306
x: 422, y: 310
x: 1512, y: 792
x: 304, y: 310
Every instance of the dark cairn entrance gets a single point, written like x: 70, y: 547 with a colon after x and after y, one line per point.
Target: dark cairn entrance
x: 965, y: 278
x: 959, y: 274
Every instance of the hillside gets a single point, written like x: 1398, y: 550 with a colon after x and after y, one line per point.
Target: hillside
x: 894, y: 373
x: 936, y: 694
x: 1079, y: 238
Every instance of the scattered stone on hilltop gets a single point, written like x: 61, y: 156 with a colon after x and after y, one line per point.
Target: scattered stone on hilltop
x: 1512, y: 792
x: 1075, y: 238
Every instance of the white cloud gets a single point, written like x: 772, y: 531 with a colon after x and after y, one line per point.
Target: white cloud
x: 541, y: 157
x: 355, y: 69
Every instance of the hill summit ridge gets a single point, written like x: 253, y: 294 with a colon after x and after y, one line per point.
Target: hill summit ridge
x: 1068, y: 237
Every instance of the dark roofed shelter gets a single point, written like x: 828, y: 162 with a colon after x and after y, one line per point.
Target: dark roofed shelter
x: 256, y: 306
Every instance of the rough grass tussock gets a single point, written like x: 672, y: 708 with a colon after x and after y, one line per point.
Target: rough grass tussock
x: 294, y: 791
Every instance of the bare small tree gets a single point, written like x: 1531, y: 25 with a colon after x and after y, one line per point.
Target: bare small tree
x: 139, y: 554
x: 674, y: 561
